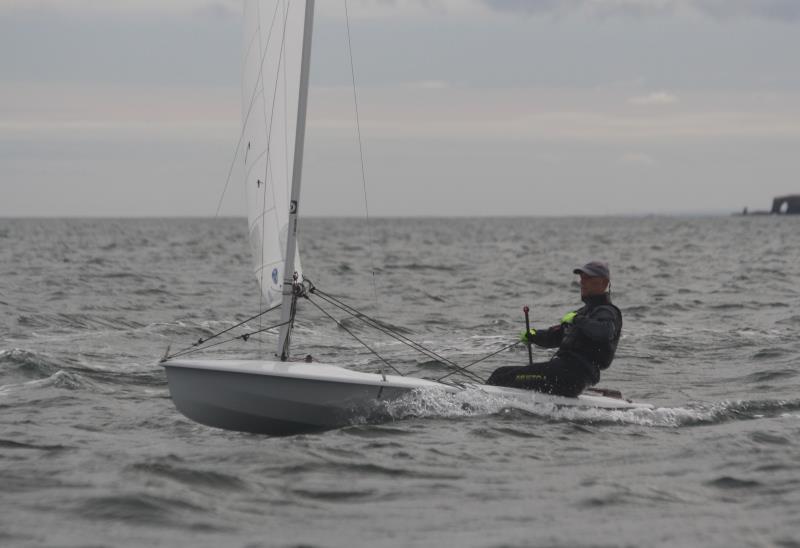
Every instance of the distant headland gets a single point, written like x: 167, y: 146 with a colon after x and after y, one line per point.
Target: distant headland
x: 781, y: 205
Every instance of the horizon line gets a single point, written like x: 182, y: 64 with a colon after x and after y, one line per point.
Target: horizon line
x: 702, y: 213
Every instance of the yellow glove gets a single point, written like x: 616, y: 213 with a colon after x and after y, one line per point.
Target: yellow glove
x: 526, y: 336
x: 569, y: 317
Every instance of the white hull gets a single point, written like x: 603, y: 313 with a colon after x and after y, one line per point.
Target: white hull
x: 280, y: 398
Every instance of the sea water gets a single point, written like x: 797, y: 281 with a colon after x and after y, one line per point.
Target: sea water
x: 93, y: 453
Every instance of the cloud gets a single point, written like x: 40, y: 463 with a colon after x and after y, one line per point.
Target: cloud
x: 358, y: 9
x: 459, y: 113
x: 381, y: 9
x: 772, y: 10
x: 778, y: 10
x: 775, y: 10
x: 657, y: 98
x: 122, y: 8
x: 426, y: 84
x: 114, y: 110
x: 601, y: 8
x: 219, y: 10
x: 636, y: 159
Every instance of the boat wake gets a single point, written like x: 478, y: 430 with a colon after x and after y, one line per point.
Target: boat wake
x: 475, y: 402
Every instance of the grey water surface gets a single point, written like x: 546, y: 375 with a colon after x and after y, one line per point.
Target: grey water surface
x: 93, y: 453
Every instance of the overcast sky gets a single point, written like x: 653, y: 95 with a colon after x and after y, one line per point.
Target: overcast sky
x: 468, y: 107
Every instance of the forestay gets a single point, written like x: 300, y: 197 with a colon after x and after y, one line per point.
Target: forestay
x: 273, y: 41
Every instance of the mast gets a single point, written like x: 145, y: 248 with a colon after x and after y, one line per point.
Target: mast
x: 289, y: 299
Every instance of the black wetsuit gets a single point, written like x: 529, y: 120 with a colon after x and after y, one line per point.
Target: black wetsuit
x: 585, y: 347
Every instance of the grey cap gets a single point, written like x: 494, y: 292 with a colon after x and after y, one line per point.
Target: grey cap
x: 594, y: 269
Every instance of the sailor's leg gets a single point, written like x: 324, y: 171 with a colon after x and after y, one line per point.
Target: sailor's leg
x: 553, y: 377
x: 565, y: 378
x: 503, y: 375
x: 528, y: 376
x: 539, y: 376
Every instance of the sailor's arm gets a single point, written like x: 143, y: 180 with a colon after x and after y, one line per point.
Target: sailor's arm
x: 600, y: 326
x: 546, y: 338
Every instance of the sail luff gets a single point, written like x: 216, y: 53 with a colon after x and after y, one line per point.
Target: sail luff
x: 294, y: 202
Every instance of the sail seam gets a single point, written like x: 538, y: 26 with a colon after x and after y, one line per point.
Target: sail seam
x: 261, y: 216
x: 249, y: 110
x: 253, y: 164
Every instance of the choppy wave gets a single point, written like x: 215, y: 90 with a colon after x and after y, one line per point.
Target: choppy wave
x: 188, y: 475
x: 136, y: 507
x: 770, y: 375
x: 60, y: 379
x: 17, y: 364
x: 11, y: 444
x: 22, y: 369
x: 52, y: 321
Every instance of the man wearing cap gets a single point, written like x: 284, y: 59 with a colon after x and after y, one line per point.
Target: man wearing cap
x: 586, y: 341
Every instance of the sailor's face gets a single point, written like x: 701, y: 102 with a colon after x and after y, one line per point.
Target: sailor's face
x: 592, y: 286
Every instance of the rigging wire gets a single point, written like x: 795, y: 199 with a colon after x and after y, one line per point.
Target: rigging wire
x: 370, y: 238
x: 349, y: 332
x: 375, y: 324
x: 461, y: 369
x: 201, y: 345
x: 243, y: 337
x: 202, y: 341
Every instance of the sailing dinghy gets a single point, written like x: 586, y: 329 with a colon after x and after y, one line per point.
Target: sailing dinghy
x: 283, y: 396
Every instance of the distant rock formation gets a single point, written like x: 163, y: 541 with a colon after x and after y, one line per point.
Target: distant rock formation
x: 782, y: 205
x: 789, y: 204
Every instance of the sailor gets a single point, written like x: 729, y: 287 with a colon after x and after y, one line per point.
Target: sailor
x: 586, y: 340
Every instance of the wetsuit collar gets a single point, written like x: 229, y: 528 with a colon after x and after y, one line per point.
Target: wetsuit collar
x: 596, y: 300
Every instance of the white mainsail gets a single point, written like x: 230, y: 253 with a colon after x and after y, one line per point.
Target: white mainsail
x: 273, y: 44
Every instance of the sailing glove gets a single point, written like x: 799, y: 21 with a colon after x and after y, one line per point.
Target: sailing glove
x: 527, y: 336
x: 569, y: 317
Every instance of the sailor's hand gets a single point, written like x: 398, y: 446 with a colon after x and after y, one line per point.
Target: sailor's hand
x: 569, y: 317
x: 527, y: 336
